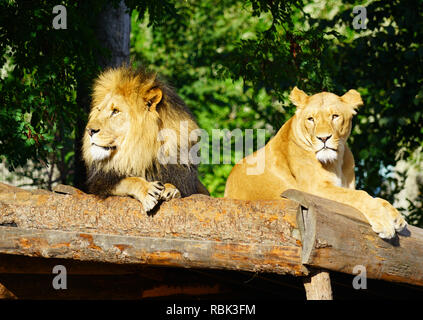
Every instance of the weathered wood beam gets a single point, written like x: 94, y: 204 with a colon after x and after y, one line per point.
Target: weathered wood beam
x: 197, y: 231
x: 317, y: 286
x: 118, y: 249
x: 6, y: 293
x: 200, y: 231
x: 337, y: 237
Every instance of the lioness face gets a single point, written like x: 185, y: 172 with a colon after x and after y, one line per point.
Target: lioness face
x: 324, y: 121
x: 108, y: 125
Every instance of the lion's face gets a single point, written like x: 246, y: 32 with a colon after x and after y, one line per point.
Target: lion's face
x: 107, y: 128
x: 128, y: 113
x: 324, y: 121
x: 123, y: 121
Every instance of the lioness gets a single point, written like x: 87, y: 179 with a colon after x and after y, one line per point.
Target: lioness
x: 124, y: 149
x: 310, y: 153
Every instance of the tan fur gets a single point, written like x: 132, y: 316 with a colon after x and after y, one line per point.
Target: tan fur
x: 122, y: 148
x: 293, y: 160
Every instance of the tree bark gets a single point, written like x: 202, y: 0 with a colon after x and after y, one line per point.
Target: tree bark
x: 317, y: 286
x: 6, y: 293
x: 279, y: 236
x: 113, y: 28
x: 113, y: 32
x: 337, y: 237
x: 197, y: 231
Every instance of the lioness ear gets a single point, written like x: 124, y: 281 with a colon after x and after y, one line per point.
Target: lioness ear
x: 152, y: 98
x: 298, y: 97
x: 353, y: 98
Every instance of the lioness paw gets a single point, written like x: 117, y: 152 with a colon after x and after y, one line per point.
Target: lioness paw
x: 170, y: 192
x: 400, y: 224
x: 386, y: 220
x: 154, y: 191
x: 383, y: 228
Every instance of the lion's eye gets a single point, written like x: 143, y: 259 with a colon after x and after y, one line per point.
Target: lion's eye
x: 115, y: 111
x: 310, y: 119
x: 334, y: 116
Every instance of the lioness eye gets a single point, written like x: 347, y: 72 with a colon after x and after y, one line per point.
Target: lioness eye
x: 310, y: 119
x: 115, y: 111
x: 334, y: 116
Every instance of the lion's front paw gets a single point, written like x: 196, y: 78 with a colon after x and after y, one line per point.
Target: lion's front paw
x: 152, y: 196
x: 386, y: 220
x: 170, y: 192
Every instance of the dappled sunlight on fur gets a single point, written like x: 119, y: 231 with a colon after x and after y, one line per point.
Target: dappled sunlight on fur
x: 129, y: 110
x: 310, y: 153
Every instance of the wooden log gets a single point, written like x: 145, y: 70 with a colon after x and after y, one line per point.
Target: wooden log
x: 337, y: 237
x: 197, y: 231
x: 148, y: 250
x: 6, y: 293
x: 318, y: 286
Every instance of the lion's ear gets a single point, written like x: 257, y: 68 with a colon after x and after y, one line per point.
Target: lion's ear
x: 152, y: 98
x: 298, y: 97
x: 353, y: 98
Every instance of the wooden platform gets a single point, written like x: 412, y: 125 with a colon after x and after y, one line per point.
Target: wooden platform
x: 191, y: 246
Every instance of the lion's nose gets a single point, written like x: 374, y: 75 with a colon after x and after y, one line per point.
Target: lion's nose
x: 324, y: 139
x: 91, y: 131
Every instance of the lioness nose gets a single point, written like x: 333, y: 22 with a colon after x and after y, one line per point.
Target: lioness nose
x: 91, y: 132
x: 324, y: 139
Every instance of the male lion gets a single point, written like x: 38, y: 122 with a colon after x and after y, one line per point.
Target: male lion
x: 123, y: 146
x: 310, y: 153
